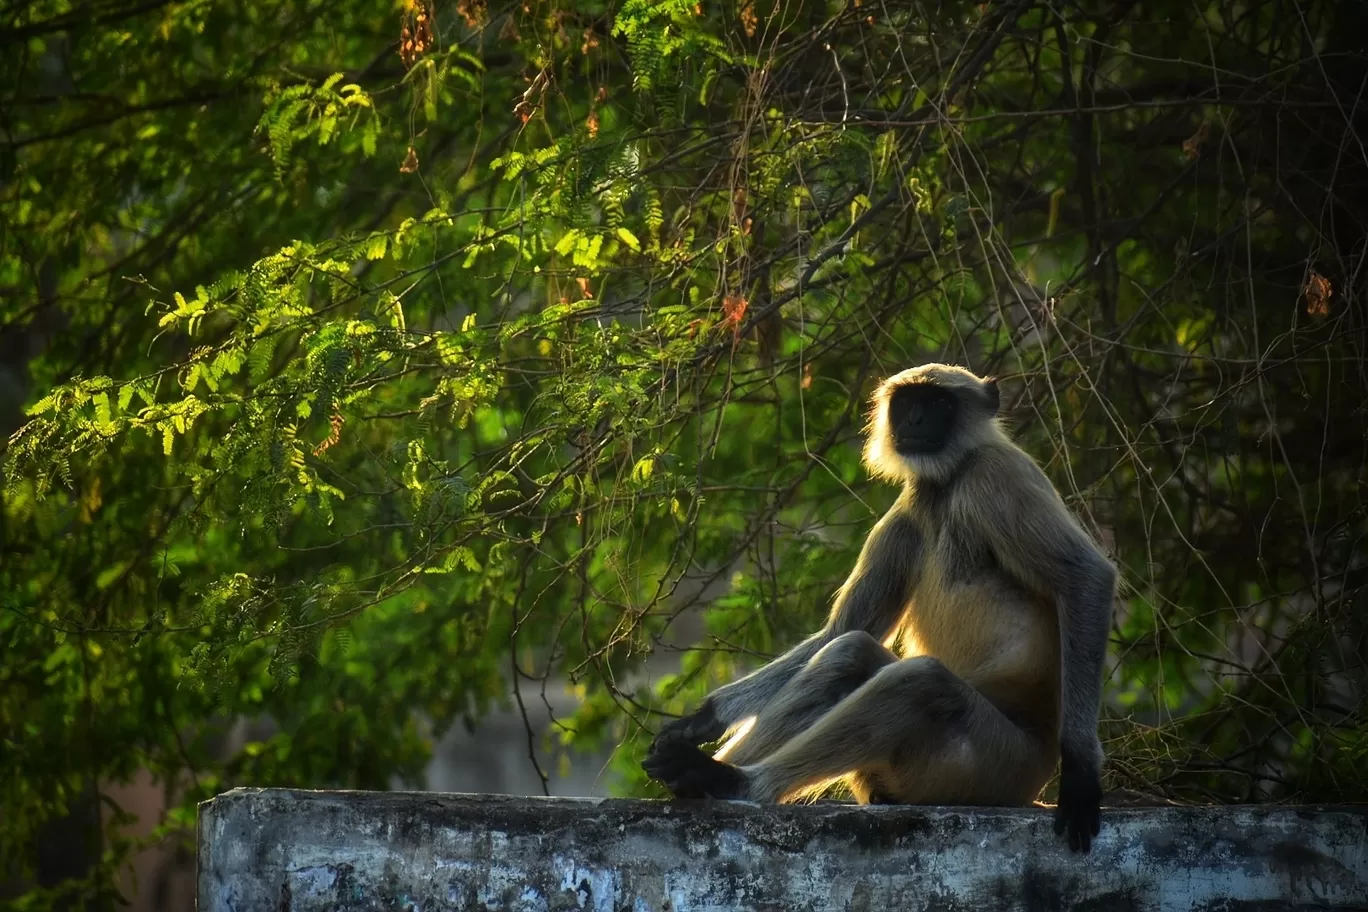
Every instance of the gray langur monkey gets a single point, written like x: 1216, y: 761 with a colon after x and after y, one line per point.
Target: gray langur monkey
x: 962, y: 657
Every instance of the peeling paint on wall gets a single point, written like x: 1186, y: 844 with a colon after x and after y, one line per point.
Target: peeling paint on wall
x: 295, y: 851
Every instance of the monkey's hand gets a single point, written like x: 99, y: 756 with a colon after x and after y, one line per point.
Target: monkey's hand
x: 688, y: 771
x: 1080, y: 801
x: 698, y: 727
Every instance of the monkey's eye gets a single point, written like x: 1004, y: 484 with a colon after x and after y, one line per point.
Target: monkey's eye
x: 943, y: 405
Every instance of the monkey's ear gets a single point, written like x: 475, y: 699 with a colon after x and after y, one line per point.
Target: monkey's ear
x: 990, y: 390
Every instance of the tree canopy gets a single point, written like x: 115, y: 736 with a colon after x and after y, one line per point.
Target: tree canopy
x: 365, y: 365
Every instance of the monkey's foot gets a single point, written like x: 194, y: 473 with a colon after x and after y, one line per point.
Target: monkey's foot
x: 690, y: 772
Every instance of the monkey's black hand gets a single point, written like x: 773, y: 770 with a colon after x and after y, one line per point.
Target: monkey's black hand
x: 698, y: 727
x: 1080, y: 802
x: 688, y: 771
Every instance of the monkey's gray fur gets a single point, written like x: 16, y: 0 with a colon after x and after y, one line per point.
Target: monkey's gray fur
x: 962, y: 657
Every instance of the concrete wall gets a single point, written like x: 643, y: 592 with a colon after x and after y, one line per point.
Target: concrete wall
x: 292, y: 851
x: 493, y: 759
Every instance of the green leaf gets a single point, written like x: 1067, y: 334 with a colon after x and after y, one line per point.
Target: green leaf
x: 567, y: 242
x: 628, y: 238
x: 394, y: 309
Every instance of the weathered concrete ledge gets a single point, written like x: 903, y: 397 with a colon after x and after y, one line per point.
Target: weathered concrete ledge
x: 297, y: 851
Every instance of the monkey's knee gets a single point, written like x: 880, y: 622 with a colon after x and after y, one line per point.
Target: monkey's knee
x: 923, y: 671
x: 836, y: 671
x: 938, y: 695
x: 855, y: 655
x: 839, y: 669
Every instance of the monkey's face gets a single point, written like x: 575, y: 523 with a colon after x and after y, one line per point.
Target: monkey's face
x: 921, y: 417
x: 924, y: 420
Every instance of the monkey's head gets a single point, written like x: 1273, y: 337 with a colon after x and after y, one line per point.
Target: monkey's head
x: 926, y: 419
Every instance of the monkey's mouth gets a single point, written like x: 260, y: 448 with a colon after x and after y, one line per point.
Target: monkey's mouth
x: 913, y: 444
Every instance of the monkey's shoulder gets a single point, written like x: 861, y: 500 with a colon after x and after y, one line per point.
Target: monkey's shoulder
x: 987, y: 520
x: 988, y: 481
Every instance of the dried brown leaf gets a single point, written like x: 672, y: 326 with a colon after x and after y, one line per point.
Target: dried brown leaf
x: 1316, y: 292
x: 1192, y: 146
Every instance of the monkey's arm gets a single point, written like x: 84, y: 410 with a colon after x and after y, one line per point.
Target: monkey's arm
x: 1035, y: 539
x: 1086, y: 584
x: 872, y: 599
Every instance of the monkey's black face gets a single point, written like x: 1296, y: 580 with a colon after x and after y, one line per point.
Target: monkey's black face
x: 921, y: 417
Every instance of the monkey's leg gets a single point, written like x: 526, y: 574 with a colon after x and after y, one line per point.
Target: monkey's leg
x: 872, y: 600
x: 834, y: 673
x: 914, y: 731
x: 733, y: 702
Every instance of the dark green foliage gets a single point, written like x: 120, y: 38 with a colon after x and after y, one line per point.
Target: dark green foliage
x: 346, y: 394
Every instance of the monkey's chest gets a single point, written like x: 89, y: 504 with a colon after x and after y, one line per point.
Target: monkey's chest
x: 958, y: 558
x: 971, y: 614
